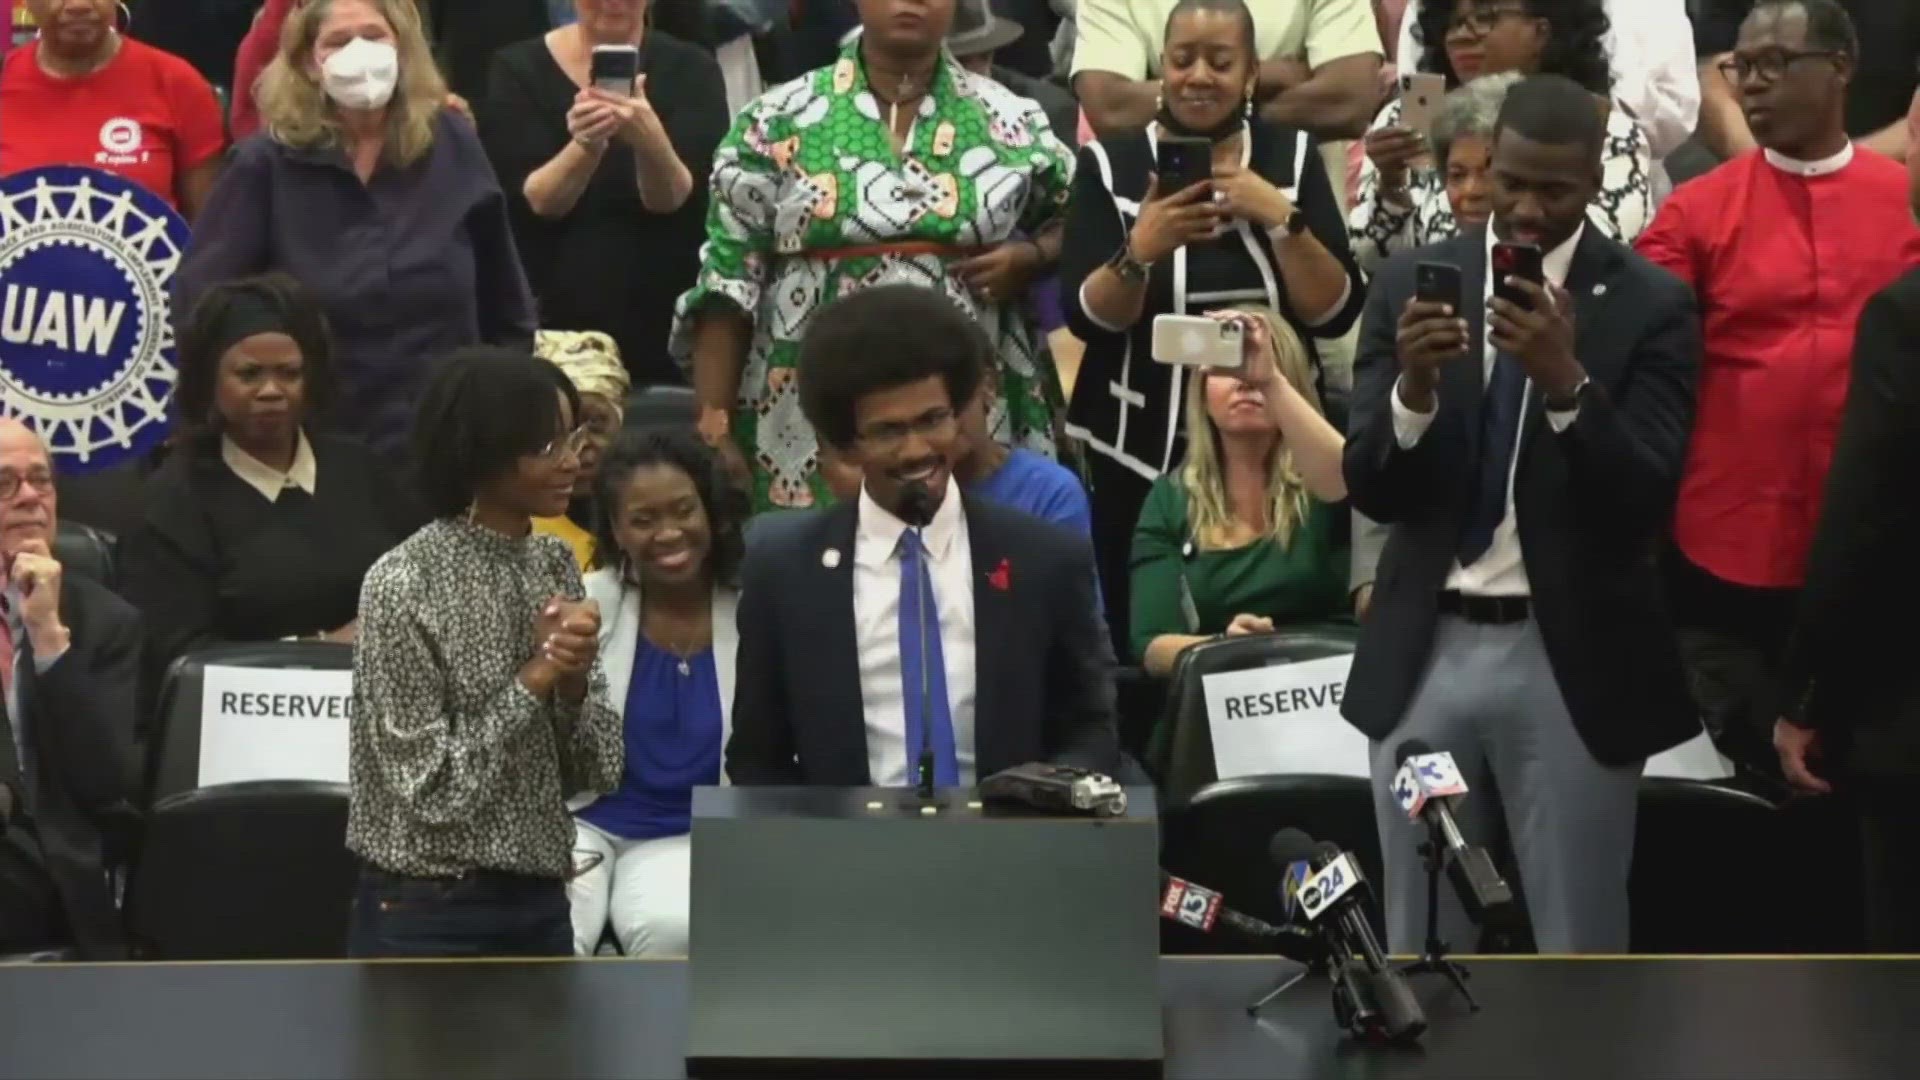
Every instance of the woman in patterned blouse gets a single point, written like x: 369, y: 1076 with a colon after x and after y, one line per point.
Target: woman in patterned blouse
x: 1402, y: 202
x: 893, y: 164
x: 479, y: 706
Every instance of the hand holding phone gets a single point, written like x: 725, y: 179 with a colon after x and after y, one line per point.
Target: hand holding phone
x: 1170, y: 220
x: 1199, y: 341
x: 1431, y: 329
x: 1524, y: 261
x: 1182, y: 162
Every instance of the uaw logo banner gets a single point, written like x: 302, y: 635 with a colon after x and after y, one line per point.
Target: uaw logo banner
x: 86, y: 344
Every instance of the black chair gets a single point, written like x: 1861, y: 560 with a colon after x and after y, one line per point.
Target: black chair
x: 1219, y: 840
x: 253, y: 871
x: 662, y: 405
x: 1180, y: 753
x: 86, y: 551
x: 1708, y: 872
x: 173, y: 738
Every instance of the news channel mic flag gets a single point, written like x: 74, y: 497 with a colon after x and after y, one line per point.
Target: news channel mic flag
x: 86, y: 341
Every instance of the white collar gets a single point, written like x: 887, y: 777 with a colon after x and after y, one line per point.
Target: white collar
x: 1555, y: 263
x: 878, y: 535
x: 1825, y: 166
x: 266, y: 479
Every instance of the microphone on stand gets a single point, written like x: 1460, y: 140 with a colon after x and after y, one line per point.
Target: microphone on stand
x: 1425, y: 788
x: 917, y: 506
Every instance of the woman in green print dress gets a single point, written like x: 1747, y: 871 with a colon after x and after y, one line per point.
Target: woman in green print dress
x: 891, y: 165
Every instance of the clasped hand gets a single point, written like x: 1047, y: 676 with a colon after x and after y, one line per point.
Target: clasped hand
x: 566, y: 638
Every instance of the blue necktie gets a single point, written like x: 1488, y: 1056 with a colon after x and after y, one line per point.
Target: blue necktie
x: 1499, y: 425
x: 930, y: 698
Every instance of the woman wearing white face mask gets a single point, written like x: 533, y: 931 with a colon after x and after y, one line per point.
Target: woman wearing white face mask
x: 364, y: 186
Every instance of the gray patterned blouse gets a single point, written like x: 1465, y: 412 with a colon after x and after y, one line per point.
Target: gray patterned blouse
x: 455, y: 765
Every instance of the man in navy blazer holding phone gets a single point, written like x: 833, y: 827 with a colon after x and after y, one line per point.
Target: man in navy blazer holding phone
x: 1524, y: 447
x: 911, y: 618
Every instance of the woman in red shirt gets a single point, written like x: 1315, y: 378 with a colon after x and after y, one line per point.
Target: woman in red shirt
x: 86, y: 94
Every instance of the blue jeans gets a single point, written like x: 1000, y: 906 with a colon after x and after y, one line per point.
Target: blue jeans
x: 480, y: 913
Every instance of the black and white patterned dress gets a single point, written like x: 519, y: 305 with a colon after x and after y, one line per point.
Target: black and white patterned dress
x: 1380, y: 229
x: 455, y: 765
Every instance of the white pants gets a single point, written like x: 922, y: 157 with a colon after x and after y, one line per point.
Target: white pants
x: 640, y: 886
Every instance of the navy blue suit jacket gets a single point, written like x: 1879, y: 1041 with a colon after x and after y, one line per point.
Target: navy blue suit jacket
x: 1043, y: 661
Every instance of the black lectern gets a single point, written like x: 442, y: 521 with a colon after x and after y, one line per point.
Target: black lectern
x: 842, y: 932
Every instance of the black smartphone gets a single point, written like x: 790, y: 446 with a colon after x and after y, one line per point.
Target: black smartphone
x: 1437, y: 283
x: 1183, y: 162
x: 614, y: 68
x: 1516, y: 260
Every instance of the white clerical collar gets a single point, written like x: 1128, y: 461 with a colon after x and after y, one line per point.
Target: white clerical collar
x: 1824, y: 167
x: 1556, y: 263
x: 266, y: 479
x: 880, y: 529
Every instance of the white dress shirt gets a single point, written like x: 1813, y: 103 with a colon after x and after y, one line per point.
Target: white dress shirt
x: 1499, y: 571
x: 876, y: 624
x: 1654, y: 70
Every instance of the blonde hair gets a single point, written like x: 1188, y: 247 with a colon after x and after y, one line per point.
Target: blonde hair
x: 295, y: 109
x: 1209, y: 514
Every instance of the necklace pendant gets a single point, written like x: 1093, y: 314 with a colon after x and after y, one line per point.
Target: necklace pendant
x: 685, y: 669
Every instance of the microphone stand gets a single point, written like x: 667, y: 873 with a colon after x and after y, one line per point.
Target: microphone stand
x: 1433, y: 960
x: 1317, y: 967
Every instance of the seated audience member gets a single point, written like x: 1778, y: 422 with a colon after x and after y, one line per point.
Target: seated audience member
x: 69, y: 676
x: 479, y: 707
x: 85, y: 94
x: 240, y: 540
x: 1783, y: 248
x: 1403, y: 202
x: 1016, y: 478
x: 975, y: 211
x: 1242, y: 539
x: 1018, y: 664
x: 591, y: 361
x: 1852, y: 709
x: 1885, y: 73
x: 1266, y: 230
x: 375, y: 195
x: 1648, y: 46
x: 1318, y: 63
x: 608, y: 190
x: 672, y: 529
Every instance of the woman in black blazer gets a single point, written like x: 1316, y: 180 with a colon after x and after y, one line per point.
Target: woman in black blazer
x: 1266, y: 230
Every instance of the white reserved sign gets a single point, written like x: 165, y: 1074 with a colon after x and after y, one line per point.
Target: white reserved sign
x: 1286, y: 719
x: 274, y: 724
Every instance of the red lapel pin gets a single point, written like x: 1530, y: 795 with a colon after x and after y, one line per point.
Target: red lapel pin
x: 1002, y: 576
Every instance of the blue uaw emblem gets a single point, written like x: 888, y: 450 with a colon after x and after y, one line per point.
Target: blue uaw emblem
x: 86, y: 344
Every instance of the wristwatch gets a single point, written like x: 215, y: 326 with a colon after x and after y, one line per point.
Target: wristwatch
x: 1130, y: 270
x: 1296, y: 222
x: 1572, y: 400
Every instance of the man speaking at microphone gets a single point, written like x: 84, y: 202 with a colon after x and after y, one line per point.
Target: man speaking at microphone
x: 1526, y: 458
x: 911, y: 621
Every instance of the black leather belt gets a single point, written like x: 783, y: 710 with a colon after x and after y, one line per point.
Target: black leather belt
x: 1486, y: 609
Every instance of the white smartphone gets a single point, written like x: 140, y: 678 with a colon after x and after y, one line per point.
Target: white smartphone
x: 614, y: 68
x: 1197, y: 341
x: 1420, y: 97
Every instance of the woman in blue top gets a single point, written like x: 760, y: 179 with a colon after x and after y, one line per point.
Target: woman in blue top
x: 671, y: 526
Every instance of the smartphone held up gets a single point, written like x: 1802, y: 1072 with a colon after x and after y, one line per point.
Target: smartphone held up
x: 614, y: 69
x: 1199, y: 341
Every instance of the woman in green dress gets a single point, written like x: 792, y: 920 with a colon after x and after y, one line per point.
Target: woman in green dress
x: 891, y: 165
x: 1242, y: 538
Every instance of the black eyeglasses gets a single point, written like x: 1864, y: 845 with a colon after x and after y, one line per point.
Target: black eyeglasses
x: 1770, y: 64
x: 11, y: 482
x: 934, y: 424
x: 1479, y: 22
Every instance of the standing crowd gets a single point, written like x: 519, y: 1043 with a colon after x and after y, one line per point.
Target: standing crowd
x: 895, y: 273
